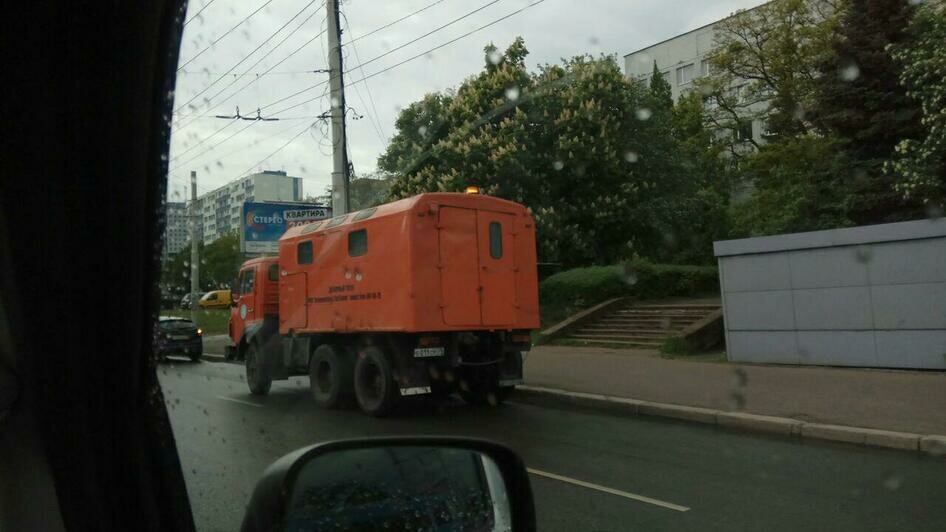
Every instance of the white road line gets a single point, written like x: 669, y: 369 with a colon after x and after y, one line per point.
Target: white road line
x: 239, y: 401
x: 612, y: 491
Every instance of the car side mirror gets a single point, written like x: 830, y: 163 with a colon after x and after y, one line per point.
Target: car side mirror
x: 410, y: 483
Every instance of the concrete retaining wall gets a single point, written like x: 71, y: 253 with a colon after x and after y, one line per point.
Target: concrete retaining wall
x: 864, y: 296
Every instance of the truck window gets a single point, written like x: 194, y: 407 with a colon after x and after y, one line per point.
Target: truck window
x: 496, y: 240
x: 358, y: 243
x: 273, y: 272
x: 304, y: 253
x: 246, y: 281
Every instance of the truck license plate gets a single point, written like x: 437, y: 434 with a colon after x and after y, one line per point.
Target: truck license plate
x: 427, y: 352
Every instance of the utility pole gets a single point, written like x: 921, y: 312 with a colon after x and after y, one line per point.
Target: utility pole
x: 337, y: 93
x: 195, y: 258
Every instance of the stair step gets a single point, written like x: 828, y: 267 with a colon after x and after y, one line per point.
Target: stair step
x: 667, y: 310
x: 708, y: 307
x: 627, y: 337
x: 660, y: 333
x: 673, y: 319
x: 661, y: 313
x: 645, y: 345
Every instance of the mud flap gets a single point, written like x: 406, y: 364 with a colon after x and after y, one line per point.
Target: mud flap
x: 410, y: 375
x: 510, y: 369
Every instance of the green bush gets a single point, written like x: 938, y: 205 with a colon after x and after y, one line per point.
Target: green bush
x: 656, y: 281
x: 584, y: 287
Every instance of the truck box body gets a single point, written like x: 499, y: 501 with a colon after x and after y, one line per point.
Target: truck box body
x: 433, y: 262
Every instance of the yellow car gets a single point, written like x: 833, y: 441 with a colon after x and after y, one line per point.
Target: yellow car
x: 215, y: 299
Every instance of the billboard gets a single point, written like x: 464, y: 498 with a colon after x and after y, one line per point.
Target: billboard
x: 263, y: 223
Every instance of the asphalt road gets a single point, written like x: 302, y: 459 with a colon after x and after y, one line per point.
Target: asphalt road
x: 701, y: 478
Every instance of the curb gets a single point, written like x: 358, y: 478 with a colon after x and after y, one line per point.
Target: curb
x: 928, y: 444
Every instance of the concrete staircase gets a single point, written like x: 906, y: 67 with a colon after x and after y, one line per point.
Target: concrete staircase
x: 643, y: 326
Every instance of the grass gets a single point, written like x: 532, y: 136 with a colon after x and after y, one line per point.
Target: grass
x: 212, y: 321
x: 675, y: 346
x: 712, y: 356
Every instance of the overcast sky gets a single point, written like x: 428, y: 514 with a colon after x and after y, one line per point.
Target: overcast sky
x: 552, y: 29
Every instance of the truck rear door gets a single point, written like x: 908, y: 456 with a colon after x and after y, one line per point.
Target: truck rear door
x: 477, y: 267
x: 459, y: 265
x: 497, y: 263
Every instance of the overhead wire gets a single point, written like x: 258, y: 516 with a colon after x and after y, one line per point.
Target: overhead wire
x: 245, y: 57
x: 271, y: 104
x: 228, y: 32
x: 389, y: 24
x: 429, y: 33
x: 205, y: 139
x: 258, y: 61
x: 396, y: 65
x: 197, y: 14
x: 376, y: 122
x: 264, y: 159
x: 244, y: 128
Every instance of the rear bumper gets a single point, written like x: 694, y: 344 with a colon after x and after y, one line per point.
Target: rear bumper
x: 185, y: 347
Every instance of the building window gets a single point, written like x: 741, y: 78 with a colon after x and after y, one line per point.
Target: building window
x: 744, y: 131
x: 304, y: 253
x: 765, y: 132
x: 358, y: 243
x: 666, y: 75
x: 685, y: 74
x: 496, y: 240
x: 705, y: 67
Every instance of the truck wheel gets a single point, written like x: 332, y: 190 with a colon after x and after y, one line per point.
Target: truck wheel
x: 257, y: 377
x: 330, y: 375
x: 374, y: 383
x: 195, y: 357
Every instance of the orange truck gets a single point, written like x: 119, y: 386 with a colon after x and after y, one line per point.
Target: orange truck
x: 424, y: 296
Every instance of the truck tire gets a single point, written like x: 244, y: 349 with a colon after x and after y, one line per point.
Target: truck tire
x: 375, y: 388
x: 330, y: 375
x: 257, y: 376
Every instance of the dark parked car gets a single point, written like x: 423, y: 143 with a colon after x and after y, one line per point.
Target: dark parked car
x: 178, y: 336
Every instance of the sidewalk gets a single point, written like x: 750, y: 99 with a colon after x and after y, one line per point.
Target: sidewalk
x: 908, y: 401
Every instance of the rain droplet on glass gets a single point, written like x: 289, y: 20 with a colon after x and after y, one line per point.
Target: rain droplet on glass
x: 643, y: 114
x: 512, y: 94
x: 849, y: 71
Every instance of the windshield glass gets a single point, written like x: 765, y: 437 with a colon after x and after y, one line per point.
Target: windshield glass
x: 688, y: 259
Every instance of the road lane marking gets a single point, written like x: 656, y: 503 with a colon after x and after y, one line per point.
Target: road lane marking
x: 239, y: 401
x: 612, y: 491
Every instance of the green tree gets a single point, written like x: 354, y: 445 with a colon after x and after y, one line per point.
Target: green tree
x: 700, y: 207
x: 799, y: 184
x: 920, y: 164
x: 369, y: 190
x: 860, y: 101
x: 588, y: 151
x: 219, y: 263
x: 764, y: 67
